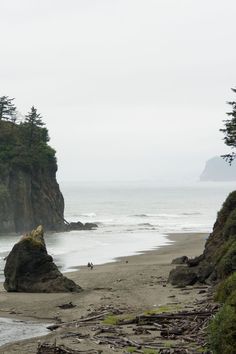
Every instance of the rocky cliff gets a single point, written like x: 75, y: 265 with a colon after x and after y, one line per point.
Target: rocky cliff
x: 218, y: 260
x: 29, y: 192
x: 30, y: 198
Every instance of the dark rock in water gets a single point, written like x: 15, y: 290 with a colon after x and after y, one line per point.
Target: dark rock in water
x: 219, y: 257
x: 180, y: 260
x: 182, y: 276
x: 90, y: 226
x: 80, y: 226
x: 29, y: 268
x: 75, y: 226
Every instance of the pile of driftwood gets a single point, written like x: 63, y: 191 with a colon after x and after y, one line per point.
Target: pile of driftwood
x: 185, y: 331
x: 61, y: 349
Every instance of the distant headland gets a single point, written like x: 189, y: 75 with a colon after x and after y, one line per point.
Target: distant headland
x: 218, y: 170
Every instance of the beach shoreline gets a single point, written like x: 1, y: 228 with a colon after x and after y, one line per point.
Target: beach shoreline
x: 137, y: 283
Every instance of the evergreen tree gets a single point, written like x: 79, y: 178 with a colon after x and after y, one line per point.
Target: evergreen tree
x: 230, y: 131
x: 7, y: 109
x: 35, y: 131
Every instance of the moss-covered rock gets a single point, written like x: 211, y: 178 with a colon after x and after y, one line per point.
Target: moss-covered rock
x: 182, y: 276
x: 29, y: 268
x: 218, y: 260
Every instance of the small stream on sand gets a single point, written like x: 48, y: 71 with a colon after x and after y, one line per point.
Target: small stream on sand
x: 12, y: 330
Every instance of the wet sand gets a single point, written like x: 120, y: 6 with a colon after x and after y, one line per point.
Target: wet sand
x: 136, y: 283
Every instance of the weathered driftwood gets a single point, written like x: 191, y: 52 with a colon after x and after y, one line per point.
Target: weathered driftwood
x: 184, y: 327
x: 61, y: 349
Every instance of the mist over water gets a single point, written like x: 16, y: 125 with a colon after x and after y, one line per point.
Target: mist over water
x: 132, y: 218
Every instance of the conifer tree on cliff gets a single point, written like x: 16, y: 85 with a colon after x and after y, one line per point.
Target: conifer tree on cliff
x: 7, y: 109
x: 230, y: 131
x: 35, y: 128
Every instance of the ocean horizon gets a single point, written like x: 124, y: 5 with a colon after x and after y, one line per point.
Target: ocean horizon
x: 131, y: 218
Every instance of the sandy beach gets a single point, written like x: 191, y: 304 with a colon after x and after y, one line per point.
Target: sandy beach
x: 134, y: 284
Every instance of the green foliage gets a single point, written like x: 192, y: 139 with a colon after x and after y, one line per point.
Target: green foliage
x: 145, y: 351
x: 230, y: 224
x: 231, y: 300
x: 7, y: 109
x: 111, y: 320
x: 117, y: 319
x: 150, y: 351
x: 229, y: 130
x: 227, y: 264
x: 226, y: 288
x: 222, y: 331
x: 25, y: 145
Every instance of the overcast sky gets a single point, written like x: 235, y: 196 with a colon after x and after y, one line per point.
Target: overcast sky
x: 129, y: 89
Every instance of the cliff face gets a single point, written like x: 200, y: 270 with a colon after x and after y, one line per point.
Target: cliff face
x: 31, y: 198
x: 218, y: 260
x: 29, y: 192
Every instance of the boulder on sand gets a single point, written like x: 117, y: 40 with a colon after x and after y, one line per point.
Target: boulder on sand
x: 182, y: 276
x: 218, y: 259
x: 29, y: 268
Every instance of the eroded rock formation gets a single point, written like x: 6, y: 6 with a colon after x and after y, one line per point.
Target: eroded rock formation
x: 29, y: 199
x: 219, y: 257
x: 29, y: 268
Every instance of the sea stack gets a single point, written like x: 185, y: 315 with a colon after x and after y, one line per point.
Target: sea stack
x: 29, y: 192
x: 29, y: 268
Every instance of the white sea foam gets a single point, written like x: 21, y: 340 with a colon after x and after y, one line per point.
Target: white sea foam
x: 130, y: 220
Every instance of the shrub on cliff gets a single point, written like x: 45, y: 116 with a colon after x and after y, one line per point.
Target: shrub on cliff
x: 222, y: 331
x: 226, y: 288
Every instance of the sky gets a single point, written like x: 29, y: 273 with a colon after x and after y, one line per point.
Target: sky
x: 129, y: 89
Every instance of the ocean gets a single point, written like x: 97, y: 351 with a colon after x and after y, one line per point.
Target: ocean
x: 131, y: 218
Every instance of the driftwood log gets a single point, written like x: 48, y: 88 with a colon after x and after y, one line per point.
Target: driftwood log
x: 185, y: 328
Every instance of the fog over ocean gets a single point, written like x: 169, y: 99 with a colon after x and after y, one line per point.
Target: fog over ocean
x: 132, y: 218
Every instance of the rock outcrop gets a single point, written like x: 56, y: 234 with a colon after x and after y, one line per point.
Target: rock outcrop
x: 180, y: 260
x: 80, y: 226
x: 29, y: 192
x: 219, y: 257
x: 31, y: 198
x: 217, y: 169
x: 29, y: 268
